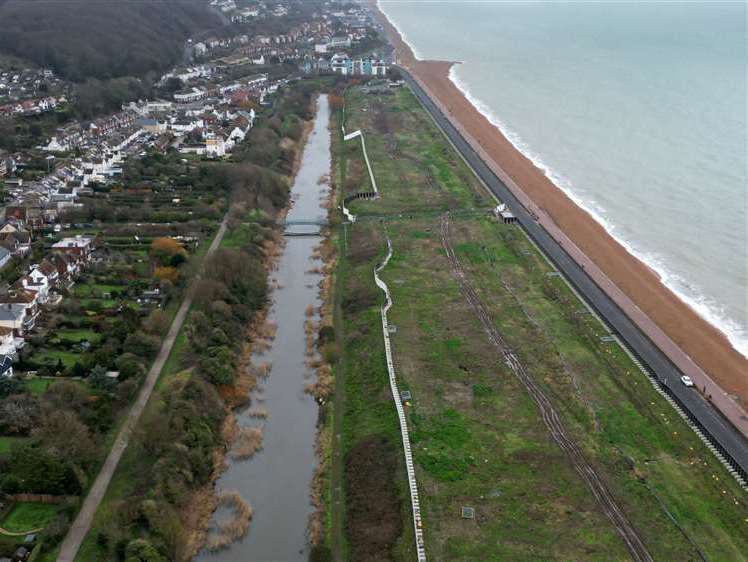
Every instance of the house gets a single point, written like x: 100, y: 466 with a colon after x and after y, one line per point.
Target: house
x: 28, y: 213
x: 215, y: 146
x: 24, y: 300
x: 188, y: 96
x: 78, y: 245
x: 67, y: 268
x: 337, y: 42
x: 150, y: 125
x: 36, y: 281
x: 9, y: 343
x: 50, y: 272
x: 18, y: 243
x: 341, y: 64
x: 12, y: 317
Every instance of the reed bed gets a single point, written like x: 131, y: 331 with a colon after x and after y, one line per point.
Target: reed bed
x: 236, y: 527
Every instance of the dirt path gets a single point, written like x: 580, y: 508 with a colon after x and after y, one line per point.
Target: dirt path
x: 82, y: 524
x: 555, y: 426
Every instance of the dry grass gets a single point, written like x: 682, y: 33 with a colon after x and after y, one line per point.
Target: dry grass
x: 262, y: 371
x: 324, y: 386
x: 248, y: 442
x: 260, y: 412
x: 236, y: 527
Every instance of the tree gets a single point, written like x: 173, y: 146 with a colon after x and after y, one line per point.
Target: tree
x: 142, y: 345
x: 19, y: 413
x: 66, y: 395
x: 166, y: 273
x: 10, y: 385
x: 129, y: 366
x: 64, y: 435
x: 172, y: 84
x: 38, y: 471
x: 140, y: 550
x: 98, y: 379
x: 163, y: 249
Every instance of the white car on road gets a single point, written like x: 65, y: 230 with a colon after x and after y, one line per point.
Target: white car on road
x: 686, y: 380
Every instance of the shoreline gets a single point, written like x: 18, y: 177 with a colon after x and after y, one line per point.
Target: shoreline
x: 698, y: 302
x: 698, y: 341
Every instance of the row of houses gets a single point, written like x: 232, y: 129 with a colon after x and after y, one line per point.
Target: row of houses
x: 216, y: 139
x: 22, y: 303
x: 257, y: 84
x: 32, y: 107
x: 28, y: 84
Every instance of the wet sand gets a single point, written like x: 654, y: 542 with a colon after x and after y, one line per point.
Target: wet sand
x: 689, y: 340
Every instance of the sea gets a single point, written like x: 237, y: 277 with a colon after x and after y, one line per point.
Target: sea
x: 637, y: 110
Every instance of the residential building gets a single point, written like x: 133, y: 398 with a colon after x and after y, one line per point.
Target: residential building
x: 12, y: 317
x: 78, y: 245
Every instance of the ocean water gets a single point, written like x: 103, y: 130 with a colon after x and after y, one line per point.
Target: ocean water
x: 637, y: 110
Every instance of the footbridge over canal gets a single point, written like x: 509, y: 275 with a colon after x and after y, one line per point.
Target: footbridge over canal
x: 303, y: 227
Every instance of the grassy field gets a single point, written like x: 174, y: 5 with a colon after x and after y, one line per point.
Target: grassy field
x: 477, y: 436
x: 6, y: 442
x: 29, y: 516
x: 77, y: 336
x: 414, y: 168
x: 38, y: 386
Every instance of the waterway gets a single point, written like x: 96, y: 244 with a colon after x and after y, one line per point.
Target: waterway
x: 276, y: 480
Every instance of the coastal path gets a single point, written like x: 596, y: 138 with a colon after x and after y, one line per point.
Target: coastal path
x: 555, y: 426
x: 628, y: 323
x: 82, y: 524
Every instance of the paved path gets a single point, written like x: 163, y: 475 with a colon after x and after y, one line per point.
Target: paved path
x: 82, y: 523
x: 19, y: 533
x: 628, y: 322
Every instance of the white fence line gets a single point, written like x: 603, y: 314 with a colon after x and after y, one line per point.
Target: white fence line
x: 416, y: 506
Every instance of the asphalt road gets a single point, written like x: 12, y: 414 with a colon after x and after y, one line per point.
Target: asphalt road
x: 82, y: 524
x: 724, y: 436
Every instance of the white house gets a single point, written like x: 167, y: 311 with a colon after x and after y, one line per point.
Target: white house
x: 7, y: 341
x: 215, y: 146
x: 36, y: 281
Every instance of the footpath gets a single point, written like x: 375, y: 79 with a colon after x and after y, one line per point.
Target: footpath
x: 82, y: 524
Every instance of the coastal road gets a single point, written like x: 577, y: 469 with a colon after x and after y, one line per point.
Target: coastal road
x: 725, y: 437
x: 82, y: 524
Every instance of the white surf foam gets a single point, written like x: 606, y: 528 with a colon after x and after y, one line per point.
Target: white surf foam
x: 403, y: 36
x: 704, y: 306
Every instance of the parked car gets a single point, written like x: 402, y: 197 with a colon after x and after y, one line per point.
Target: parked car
x: 686, y: 380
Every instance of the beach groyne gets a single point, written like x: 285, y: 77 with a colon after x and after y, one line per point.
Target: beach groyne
x: 727, y: 438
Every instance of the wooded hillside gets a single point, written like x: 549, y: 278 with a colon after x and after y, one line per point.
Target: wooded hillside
x: 101, y: 38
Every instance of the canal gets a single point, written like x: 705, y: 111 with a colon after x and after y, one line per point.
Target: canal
x: 276, y: 480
